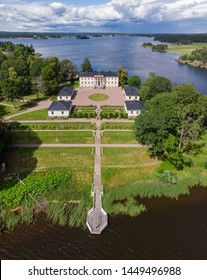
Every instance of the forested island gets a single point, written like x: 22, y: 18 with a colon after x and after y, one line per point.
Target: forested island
x: 156, y: 48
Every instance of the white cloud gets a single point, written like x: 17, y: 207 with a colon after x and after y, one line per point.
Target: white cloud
x: 58, y: 8
x: 41, y: 16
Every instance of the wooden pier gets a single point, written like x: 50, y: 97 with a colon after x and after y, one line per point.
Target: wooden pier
x: 97, y: 218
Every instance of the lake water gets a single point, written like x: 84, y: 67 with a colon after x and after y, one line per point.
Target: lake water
x: 107, y: 53
x: 170, y: 229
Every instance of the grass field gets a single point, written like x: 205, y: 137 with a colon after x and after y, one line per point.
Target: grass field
x: 51, y: 137
x: 117, y: 125
x: 126, y: 165
x: 30, y: 159
x: 186, y: 49
x: 98, y: 97
x: 118, y: 137
x: 6, y: 111
x: 52, y: 126
x: 41, y: 114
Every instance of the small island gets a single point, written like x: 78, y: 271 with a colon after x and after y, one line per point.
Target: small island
x: 79, y: 36
x: 156, y: 48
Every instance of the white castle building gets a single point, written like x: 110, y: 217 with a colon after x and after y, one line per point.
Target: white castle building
x: 99, y: 79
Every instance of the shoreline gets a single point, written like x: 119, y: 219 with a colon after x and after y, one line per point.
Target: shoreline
x: 196, y: 64
x: 179, y: 220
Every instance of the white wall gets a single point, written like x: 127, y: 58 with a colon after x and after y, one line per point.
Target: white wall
x: 66, y: 98
x: 132, y: 113
x: 112, y: 82
x: 90, y: 82
x: 86, y: 82
x: 131, y: 97
x: 58, y: 113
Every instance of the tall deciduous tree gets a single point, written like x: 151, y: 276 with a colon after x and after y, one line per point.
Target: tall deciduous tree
x: 68, y: 70
x: 154, y: 85
x: 134, y: 81
x: 15, y: 87
x: 50, y: 75
x: 86, y: 65
x: 123, y: 76
x: 172, y: 123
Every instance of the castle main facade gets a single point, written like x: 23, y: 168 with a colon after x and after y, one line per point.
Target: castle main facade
x: 99, y: 79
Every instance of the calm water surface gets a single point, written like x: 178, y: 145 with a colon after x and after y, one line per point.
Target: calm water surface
x: 107, y: 53
x: 170, y: 229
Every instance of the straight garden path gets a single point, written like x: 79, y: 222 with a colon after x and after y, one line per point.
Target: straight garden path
x: 76, y: 145
x: 49, y: 130
x: 70, y: 120
x: 97, y: 218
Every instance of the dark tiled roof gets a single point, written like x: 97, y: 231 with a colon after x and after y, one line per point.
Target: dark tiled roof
x: 131, y: 91
x: 134, y: 105
x: 60, y: 106
x: 92, y: 74
x: 66, y: 91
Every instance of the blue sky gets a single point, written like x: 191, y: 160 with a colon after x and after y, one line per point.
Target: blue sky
x: 135, y: 16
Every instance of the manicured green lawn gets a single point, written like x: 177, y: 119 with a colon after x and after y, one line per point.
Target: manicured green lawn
x: 118, y: 137
x: 52, y: 126
x: 6, y: 111
x: 41, y: 114
x: 98, y: 97
x: 52, y: 137
x: 117, y: 125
